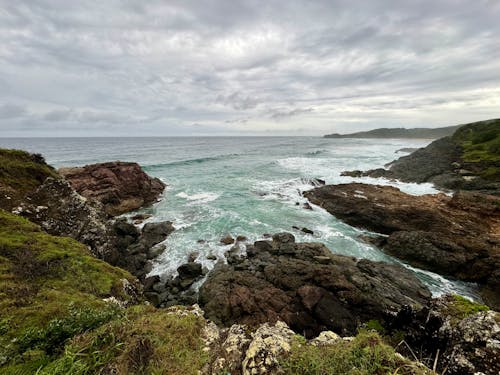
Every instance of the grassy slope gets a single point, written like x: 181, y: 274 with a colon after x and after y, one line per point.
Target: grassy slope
x: 50, y: 288
x: 481, y: 144
x: 20, y: 173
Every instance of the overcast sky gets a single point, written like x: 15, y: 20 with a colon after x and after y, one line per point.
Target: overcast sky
x: 236, y: 67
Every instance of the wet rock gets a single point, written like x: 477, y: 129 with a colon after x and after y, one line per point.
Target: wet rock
x: 201, y: 241
x: 456, y: 236
x: 241, y: 238
x: 193, y: 256
x: 139, y: 218
x: 307, y: 231
x: 283, y: 280
x: 121, y: 187
x: 228, y: 240
x: 307, y: 206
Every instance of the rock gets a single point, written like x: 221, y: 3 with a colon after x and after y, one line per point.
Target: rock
x: 456, y: 236
x: 468, y: 339
x: 121, y: 187
x: 69, y: 214
x: 211, y: 257
x: 150, y: 281
x: 307, y: 231
x: 283, y: 280
x: 189, y: 271
x: 356, y: 173
x: 269, y: 342
x: 154, y: 233
x: 201, y: 241
x: 241, y: 238
x: 307, y: 206
x: 325, y: 338
x: 139, y: 218
x: 474, y: 345
x: 228, y: 240
x: 193, y: 256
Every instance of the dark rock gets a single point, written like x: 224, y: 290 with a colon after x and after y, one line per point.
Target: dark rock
x: 467, y: 342
x: 119, y: 186
x: 193, y: 256
x: 307, y: 231
x: 154, y: 233
x: 296, y: 286
x: 307, y: 206
x: 356, y: 173
x: 228, y: 240
x: 189, y: 271
x: 211, y: 257
x: 201, y: 241
x: 139, y: 218
x: 241, y: 238
x: 456, y: 236
x: 150, y: 281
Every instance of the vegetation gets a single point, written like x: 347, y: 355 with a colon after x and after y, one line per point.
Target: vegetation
x: 460, y: 307
x: 365, y: 355
x: 20, y: 173
x: 481, y: 146
x: 51, y: 289
x: 422, y: 133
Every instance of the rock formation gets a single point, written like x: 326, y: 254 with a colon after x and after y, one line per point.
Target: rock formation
x: 457, y: 236
x: 306, y: 286
x: 120, y: 186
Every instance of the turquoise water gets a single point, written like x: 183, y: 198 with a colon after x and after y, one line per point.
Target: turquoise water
x: 246, y: 186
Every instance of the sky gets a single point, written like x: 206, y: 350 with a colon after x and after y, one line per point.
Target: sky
x: 245, y: 67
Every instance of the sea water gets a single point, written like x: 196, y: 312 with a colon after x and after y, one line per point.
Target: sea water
x: 249, y: 186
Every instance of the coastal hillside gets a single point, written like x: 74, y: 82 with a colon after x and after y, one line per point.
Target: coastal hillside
x: 413, y: 133
x: 281, y: 307
x: 468, y: 160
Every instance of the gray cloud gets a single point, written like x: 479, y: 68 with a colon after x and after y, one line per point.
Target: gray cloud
x: 245, y: 66
x: 10, y: 111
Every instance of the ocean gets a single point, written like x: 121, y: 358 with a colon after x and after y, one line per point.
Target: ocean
x: 247, y: 186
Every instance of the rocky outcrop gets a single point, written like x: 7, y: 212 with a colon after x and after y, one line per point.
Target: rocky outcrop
x: 460, y: 336
x: 306, y: 286
x: 120, y: 186
x: 61, y: 211
x: 457, y: 236
x: 468, y: 160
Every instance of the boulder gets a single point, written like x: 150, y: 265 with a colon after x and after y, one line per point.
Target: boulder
x: 456, y: 236
x: 120, y: 186
x: 307, y: 287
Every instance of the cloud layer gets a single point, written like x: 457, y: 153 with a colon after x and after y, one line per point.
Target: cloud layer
x: 245, y: 67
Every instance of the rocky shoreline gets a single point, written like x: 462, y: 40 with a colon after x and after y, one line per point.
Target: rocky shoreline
x: 258, y: 299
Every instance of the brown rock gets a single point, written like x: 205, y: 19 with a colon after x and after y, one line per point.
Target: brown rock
x: 119, y: 186
x: 283, y: 280
x: 228, y: 240
x: 457, y: 236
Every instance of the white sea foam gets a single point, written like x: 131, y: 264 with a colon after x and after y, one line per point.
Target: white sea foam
x: 203, y: 197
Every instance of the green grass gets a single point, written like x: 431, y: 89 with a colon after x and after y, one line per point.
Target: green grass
x: 143, y: 341
x: 480, y: 142
x: 459, y: 308
x: 51, y: 288
x: 367, y: 354
x: 20, y: 173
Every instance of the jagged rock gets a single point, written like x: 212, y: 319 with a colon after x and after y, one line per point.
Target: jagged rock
x: 69, y: 214
x: 456, y: 236
x: 119, y: 186
x: 474, y: 344
x: 241, y: 238
x: 286, y: 281
x: 269, y: 342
